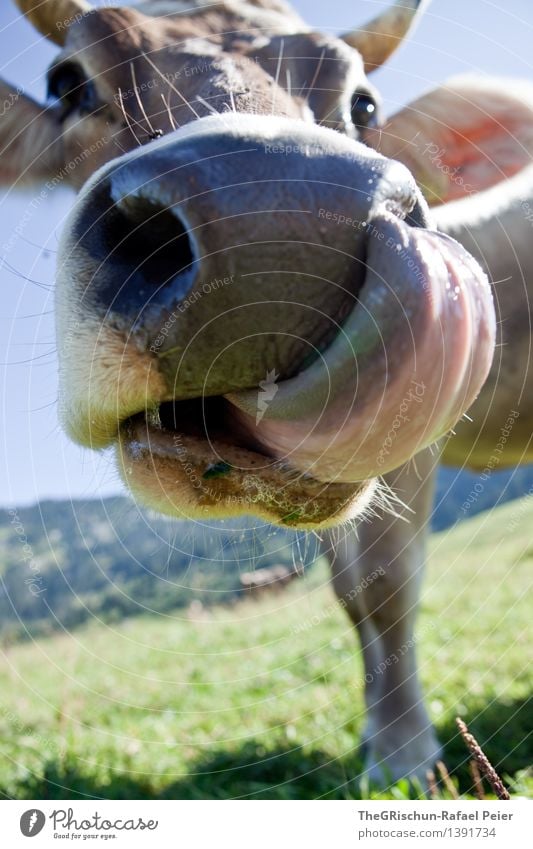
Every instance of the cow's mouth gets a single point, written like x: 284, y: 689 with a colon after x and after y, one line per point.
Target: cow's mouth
x: 410, y: 358
x: 193, y: 458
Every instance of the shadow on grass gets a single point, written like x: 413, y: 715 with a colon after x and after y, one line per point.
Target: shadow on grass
x: 254, y: 771
x: 250, y: 771
x: 503, y: 729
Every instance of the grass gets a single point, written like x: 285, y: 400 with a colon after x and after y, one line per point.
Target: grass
x: 248, y: 701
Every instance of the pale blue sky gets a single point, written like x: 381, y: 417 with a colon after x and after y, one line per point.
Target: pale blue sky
x: 36, y: 460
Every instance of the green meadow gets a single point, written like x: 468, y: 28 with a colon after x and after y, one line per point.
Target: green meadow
x: 263, y: 699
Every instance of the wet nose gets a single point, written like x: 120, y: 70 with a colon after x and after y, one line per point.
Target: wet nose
x: 230, y: 251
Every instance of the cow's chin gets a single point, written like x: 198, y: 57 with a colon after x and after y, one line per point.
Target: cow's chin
x: 188, y: 475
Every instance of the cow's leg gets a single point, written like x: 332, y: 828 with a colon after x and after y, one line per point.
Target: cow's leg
x: 377, y: 579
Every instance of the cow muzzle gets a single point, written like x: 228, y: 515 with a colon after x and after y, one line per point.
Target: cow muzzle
x: 255, y: 311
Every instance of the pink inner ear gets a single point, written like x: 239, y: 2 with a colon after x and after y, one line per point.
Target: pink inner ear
x: 463, y: 137
x: 481, y: 157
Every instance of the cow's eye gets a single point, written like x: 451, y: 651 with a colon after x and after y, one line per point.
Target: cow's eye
x: 364, y: 109
x: 68, y: 84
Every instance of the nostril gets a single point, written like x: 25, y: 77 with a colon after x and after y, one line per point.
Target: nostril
x: 152, y: 241
x: 419, y: 215
x: 396, y: 192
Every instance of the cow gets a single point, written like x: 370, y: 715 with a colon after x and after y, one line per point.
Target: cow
x: 256, y: 305
x: 269, y: 579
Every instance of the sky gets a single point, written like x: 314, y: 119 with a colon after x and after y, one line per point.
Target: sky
x: 36, y: 459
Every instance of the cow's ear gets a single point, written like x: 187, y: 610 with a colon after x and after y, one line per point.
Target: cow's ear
x: 31, y: 147
x: 463, y: 137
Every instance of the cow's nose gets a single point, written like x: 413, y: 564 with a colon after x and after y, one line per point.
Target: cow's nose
x: 232, y: 253
x: 148, y: 256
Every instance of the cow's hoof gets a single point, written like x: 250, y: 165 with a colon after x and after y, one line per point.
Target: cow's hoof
x: 385, y: 766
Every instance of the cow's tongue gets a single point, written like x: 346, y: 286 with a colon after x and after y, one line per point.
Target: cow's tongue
x: 408, y: 361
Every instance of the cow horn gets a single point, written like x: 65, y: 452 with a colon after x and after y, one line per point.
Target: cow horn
x: 52, y: 18
x: 378, y: 39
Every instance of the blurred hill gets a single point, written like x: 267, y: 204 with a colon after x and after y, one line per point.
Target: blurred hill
x: 461, y: 495
x: 62, y: 562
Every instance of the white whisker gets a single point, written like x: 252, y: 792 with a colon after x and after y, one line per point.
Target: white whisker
x: 288, y: 82
x: 503, y: 280
x: 211, y: 109
x: 315, y: 76
x: 139, y: 100
x: 278, y: 71
x: 173, y: 122
x: 114, y: 137
x: 172, y: 86
x: 127, y: 117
